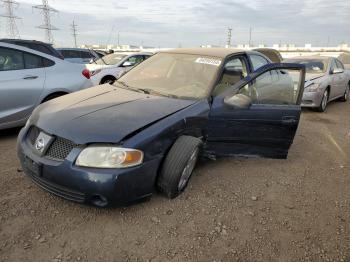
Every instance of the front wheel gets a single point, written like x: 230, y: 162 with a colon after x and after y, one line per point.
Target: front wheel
x: 178, y: 166
x: 324, y: 102
x: 345, y: 97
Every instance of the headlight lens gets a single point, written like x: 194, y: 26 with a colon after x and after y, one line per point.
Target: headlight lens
x: 313, y: 87
x: 109, y: 157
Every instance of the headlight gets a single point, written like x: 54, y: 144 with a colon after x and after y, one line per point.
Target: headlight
x: 313, y: 87
x: 109, y: 157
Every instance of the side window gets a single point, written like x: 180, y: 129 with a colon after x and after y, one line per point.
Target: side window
x: 48, y: 62
x: 258, y: 61
x: 32, y: 61
x: 134, y: 60
x: 11, y: 59
x: 333, y: 65
x: 234, y: 71
x: 275, y: 87
x: 339, y: 64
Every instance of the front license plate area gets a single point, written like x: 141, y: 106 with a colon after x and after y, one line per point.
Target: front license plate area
x: 32, y: 166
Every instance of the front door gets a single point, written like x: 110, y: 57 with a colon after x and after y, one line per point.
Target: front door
x: 22, y: 78
x: 266, y: 124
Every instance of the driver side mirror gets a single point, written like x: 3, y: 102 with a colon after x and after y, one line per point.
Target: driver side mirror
x: 127, y: 64
x: 238, y: 101
x: 337, y: 71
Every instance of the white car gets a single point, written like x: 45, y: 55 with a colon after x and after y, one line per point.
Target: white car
x: 29, y: 78
x: 110, y: 67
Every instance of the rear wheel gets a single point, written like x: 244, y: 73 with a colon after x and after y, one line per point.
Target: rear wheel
x: 345, y: 97
x: 108, y: 80
x: 324, y: 102
x: 178, y: 166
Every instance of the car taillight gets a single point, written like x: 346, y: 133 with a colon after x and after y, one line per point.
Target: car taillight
x: 86, y: 73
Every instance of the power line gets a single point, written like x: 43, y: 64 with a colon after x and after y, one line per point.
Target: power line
x: 11, y: 27
x: 46, y: 11
x: 74, y: 33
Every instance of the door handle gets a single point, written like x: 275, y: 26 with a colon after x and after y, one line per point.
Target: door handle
x: 30, y: 77
x: 289, y: 120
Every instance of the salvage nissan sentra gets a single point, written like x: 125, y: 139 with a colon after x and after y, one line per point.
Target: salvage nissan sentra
x: 115, y: 144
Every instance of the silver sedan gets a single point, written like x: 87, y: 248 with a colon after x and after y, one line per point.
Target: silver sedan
x: 326, y: 80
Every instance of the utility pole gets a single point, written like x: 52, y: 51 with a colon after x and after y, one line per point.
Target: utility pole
x: 11, y: 27
x: 46, y: 11
x: 229, y: 36
x: 74, y: 33
x: 250, y: 36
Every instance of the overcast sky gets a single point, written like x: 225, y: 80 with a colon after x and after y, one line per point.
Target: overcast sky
x: 166, y: 23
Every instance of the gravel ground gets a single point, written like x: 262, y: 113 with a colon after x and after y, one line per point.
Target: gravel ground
x: 233, y: 210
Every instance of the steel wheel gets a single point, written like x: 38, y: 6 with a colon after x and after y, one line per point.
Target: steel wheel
x: 186, y: 173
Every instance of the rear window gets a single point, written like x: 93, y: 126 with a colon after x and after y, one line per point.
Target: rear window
x: 70, y: 54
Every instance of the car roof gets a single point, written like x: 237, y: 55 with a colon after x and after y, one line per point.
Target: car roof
x: 323, y: 58
x: 29, y: 50
x: 214, y: 52
x: 73, y: 49
x: 9, y: 40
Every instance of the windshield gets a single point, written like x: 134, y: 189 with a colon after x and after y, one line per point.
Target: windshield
x: 111, y: 59
x: 175, y: 75
x: 314, y: 66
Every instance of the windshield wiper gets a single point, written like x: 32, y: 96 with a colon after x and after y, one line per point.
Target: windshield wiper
x: 126, y: 86
x: 153, y: 92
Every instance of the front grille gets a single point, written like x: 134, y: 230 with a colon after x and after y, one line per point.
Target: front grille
x: 57, y: 190
x: 58, y: 150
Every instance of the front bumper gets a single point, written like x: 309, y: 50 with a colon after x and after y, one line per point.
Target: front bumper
x: 311, y: 99
x: 99, y: 187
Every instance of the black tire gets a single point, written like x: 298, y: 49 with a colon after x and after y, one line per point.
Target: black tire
x: 323, y: 105
x: 345, y: 97
x: 53, y: 96
x: 178, y: 166
x: 108, y: 80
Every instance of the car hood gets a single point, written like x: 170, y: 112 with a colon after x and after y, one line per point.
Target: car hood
x: 311, y: 77
x: 105, y: 114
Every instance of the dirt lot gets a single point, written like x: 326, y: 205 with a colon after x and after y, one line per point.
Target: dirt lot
x: 234, y: 209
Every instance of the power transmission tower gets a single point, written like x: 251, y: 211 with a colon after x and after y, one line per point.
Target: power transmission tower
x: 229, y: 36
x: 11, y: 28
x: 46, y: 11
x: 74, y: 33
x: 250, y: 36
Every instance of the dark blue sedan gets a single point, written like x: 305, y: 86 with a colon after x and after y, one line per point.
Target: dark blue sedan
x: 115, y: 144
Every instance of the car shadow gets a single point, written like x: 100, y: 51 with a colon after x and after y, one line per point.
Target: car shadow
x: 9, y: 133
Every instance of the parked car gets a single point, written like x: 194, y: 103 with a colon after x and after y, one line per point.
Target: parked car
x: 345, y: 59
x: 35, y: 45
x: 113, y: 144
x: 110, y: 67
x: 326, y: 80
x: 79, y: 55
x: 29, y: 77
